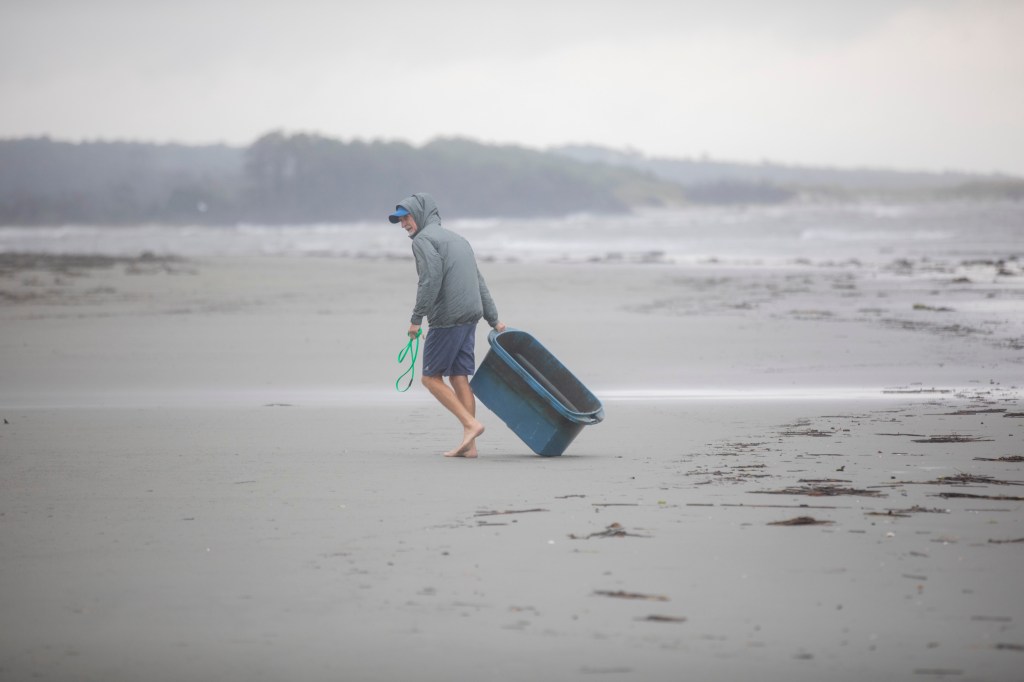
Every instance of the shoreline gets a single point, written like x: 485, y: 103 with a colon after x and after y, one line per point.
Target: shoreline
x: 319, y: 398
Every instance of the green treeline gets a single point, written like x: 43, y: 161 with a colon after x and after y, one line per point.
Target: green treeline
x: 290, y: 179
x: 301, y: 178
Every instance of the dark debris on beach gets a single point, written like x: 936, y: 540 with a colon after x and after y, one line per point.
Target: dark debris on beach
x: 656, y: 618
x: 802, y: 521
x: 508, y: 511
x: 29, y: 278
x: 962, y: 479
x: 622, y: 594
x: 906, y: 513
x: 614, y: 530
x: 73, y: 264
x: 1006, y: 498
x: 825, y: 490
x: 954, y: 438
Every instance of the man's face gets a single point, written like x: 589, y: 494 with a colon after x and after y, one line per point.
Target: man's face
x: 408, y: 224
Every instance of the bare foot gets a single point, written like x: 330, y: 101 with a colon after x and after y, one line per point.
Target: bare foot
x: 468, y: 446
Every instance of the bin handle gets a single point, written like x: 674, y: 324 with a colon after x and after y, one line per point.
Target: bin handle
x: 494, y: 332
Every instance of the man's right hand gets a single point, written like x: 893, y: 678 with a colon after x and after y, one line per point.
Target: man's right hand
x: 414, y: 331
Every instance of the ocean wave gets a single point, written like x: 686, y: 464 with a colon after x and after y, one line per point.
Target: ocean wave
x: 873, y: 235
x: 769, y: 236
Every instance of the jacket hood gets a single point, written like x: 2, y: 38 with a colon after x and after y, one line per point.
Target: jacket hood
x: 423, y: 209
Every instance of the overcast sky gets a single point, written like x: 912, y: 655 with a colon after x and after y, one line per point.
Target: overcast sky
x: 911, y: 84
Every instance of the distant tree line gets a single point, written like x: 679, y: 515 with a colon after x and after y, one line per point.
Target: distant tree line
x: 301, y: 178
x: 291, y: 179
x: 720, y: 182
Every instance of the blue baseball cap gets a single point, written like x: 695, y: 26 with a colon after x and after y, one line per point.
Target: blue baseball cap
x: 397, y: 215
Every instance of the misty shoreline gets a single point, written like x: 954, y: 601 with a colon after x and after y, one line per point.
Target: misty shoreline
x: 306, y: 179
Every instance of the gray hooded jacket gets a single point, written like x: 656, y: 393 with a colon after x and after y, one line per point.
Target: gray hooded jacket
x: 451, y: 290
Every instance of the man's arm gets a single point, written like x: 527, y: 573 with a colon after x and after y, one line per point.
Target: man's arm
x: 429, y: 267
x: 490, y: 310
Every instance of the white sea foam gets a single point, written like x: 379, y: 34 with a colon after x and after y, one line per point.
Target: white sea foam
x: 749, y: 236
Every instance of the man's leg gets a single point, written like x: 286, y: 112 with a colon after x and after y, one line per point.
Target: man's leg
x: 460, y: 384
x: 471, y: 428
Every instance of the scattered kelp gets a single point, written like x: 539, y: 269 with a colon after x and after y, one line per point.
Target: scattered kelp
x: 810, y: 433
x: 1006, y: 458
x: 735, y: 449
x: 734, y: 474
x: 663, y: 619
x: 1009, y: 647
x: 802, y: 521
x: 951, y: 329
x: 811, y: 314
x: 965, y: 413
x: 821, y: 491
x: 726, y: 504
x: 1004, y: 542
x: 73, y: 264
x: 962, y: 479
x: 508, y: 511
x: 615, y: 530
x: 914, y: 391
x: 1009, y: 498
x: 621, y: 594
x: 916, y: 509
x: 966, y: 479
x: 954, y: 438
x: 819, y: 481
x: 905, y: 435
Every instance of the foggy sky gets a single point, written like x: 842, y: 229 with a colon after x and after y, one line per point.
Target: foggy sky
x: 910, y: 84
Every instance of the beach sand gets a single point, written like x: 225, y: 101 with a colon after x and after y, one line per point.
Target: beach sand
x: 806, y: 473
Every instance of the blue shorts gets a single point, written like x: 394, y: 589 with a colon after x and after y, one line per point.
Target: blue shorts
x: 449, y: 351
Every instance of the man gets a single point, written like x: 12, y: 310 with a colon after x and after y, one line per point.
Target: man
x: 453, y: 296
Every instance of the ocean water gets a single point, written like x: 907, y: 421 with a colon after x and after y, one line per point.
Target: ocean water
x: 868, y: 234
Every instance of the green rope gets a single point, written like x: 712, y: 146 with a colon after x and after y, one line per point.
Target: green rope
x: 415, y: 351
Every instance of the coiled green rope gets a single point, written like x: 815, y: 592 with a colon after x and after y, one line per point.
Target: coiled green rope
x: 414, y: 350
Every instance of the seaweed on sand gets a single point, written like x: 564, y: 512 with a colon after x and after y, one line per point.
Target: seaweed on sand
x: 826, y: 490
x: 802, y: 521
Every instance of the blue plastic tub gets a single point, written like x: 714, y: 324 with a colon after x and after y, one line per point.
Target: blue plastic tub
x: 533, y: 393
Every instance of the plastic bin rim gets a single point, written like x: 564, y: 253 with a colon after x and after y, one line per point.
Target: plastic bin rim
x: 592, y: 417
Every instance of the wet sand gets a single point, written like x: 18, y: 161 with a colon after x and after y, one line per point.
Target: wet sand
x: 804, y: 474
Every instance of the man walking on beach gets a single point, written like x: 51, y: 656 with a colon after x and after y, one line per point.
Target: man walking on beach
x: 453, y: 296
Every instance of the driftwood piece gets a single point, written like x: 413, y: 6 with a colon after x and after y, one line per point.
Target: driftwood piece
x: 622, y: 594
x: 802, y: 521
x: 615, y: 530
x: 508, y: 511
